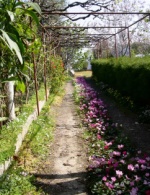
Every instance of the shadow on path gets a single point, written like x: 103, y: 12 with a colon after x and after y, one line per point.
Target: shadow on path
x: 54, y: 184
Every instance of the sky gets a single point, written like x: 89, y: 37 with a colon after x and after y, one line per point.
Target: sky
x: 92, y: 22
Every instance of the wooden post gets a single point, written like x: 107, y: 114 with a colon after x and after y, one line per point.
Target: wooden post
x: 116, y: 47
x: 129, y: 42
x: 100, y: 49
x: 44, y: 61
x: 107, y: 47
x: 35, y: 82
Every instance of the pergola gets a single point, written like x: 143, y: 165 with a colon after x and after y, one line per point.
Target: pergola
x: 77, y: 39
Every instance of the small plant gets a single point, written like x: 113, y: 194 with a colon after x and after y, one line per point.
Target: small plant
x: 17, y: 182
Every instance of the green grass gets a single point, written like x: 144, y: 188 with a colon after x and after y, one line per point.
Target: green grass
x: 86, y: 73
x: 17, y: 180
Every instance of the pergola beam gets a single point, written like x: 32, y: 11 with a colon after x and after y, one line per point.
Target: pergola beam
x: 82, y: 27
x: 98, y: 36
x: 95, y: 13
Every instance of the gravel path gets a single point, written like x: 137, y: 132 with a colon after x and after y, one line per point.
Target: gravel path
x: 64, y: 171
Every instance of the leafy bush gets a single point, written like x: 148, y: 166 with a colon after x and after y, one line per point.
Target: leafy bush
x: 57, y: 74
x: 130, y: 76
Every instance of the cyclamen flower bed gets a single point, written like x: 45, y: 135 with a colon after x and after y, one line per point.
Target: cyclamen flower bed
x: 115, y: 167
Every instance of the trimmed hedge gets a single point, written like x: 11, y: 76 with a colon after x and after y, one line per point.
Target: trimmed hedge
x: 130, y: 76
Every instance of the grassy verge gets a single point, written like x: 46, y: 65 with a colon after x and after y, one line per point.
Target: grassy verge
x: 18, y: 180
x: 9, y: 132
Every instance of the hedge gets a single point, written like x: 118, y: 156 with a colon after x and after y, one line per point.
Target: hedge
x: 130, y: 76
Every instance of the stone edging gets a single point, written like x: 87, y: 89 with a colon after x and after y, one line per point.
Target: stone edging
x: 21, y: 136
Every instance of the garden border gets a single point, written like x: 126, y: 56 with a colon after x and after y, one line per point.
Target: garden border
x: 21, y: 136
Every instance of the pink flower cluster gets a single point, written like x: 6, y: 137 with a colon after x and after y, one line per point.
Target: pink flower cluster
x: 116, y: 168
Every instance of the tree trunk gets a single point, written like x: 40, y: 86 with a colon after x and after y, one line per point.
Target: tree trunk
x: 10, y: 100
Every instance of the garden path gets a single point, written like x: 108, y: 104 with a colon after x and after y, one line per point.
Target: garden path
x: 64, y: 171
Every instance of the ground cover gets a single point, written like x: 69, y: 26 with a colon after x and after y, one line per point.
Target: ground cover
x: 19, y: 178
x: 10, y: 131
x: 115, y: 166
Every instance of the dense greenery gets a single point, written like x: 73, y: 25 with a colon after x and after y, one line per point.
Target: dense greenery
x: 130, y: 76
x: 25, y: 54
x: 22, y: 54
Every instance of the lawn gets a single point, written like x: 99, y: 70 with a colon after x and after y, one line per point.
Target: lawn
x: 86, y: 73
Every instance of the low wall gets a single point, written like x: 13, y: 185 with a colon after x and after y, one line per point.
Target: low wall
x: 21, y: 136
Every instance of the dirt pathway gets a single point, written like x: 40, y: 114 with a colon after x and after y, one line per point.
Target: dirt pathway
x: 64, y: 172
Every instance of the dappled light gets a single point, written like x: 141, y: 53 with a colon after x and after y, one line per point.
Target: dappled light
x: 74, y: 97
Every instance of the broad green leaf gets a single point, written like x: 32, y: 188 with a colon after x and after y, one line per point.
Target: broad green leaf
x: 12, y: 29
x: 26, y: 76
x: 35, y: 6
x: 11, y: 15
x: 17, y: 40
x: 19, y: 4
x: 12, y: 45
x: 32, y: 15
x: 20, y: 86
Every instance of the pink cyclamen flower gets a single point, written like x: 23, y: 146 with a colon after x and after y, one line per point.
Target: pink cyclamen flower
x: 119, y: 173
x: 147, y: 174
x: 98, y: 136
x: 113, y: 179
x: 120, y: 146
x: 109, y: 185
x: 137, y: 178
x: 143, y: 167
x: 148, y: 158
x: 122, y: 161
x: 137, y: 166
x: 116, y: 165
x: 141, y: 161
x: 116, y: 153
x: 134, y: 191
x: 106, y: 147
x: 108, y: 143
x: 131, y: 167
x: 104, y: 178
x: 127, y: 177
x: 132, y: 183
x: 145, y: 182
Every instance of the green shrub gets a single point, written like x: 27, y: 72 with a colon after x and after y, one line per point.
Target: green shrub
x: 130, y: 76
